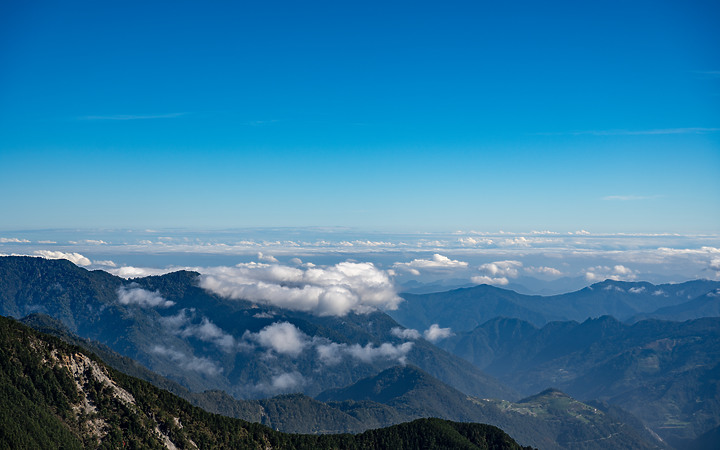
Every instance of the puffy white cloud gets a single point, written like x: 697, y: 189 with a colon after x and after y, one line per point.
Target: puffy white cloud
x: 405, y: 333
x: 75, y: 258
x: 637, y: 290
x: 484, y: 279
x: 435, y: 333
x: 135, y: 295
x: 437, y: 262
x: 188, y: 362
x: 282, y: 337
x: 472, y: 241
x: 266, y: 258
x: 508, y: 269
x: 330, y: 291
x: 617, y: 273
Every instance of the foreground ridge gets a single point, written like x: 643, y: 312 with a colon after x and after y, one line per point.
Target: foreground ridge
x: 58, y: 395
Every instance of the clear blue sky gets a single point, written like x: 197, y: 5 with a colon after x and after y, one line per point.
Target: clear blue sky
x: 405, y: 116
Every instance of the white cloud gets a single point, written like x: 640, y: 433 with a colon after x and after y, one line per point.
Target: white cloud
x: 520, y: 241
x: 435, y: 333
x: 75, y: 258
x: 281, y: 383
x: 206, y: 331
x: 47, y: 242
x: 282, y: 337
x: 483, y: 279
x: 93, y: 242
x: 105, y: 263
x: 266, y: 258
x: 13, y: 241
x: 188, y: 362
x: 134, y: 295
x: 438, y: 262
x: 405, y: 333
x: 369, y: 353
x: 331, y: 291
x: 263, y: 315
x: 617, y: 273
x: 544, y: 270
x: 715, y: 265
x: 507, y: 269
x: 332, y: 352
x: 286, y: 381
x: 637, y: 290
x: 129, y: 272
x: 209, y: 332
x: 471, y: 241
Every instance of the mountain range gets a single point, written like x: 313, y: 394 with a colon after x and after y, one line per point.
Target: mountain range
x: 55, y: 395
x: 643, y: 383
x: 626, y: 301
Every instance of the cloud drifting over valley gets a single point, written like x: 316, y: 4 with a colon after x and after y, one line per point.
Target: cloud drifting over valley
x: 134, y: 295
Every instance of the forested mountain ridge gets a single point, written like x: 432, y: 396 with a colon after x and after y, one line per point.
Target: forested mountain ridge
x: 179, y: 330
x: 408, y: 393
x: 666, y: 373
x: 56, y: 395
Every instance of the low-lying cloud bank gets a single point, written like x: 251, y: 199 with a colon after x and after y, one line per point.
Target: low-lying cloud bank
x: 331, y: 291
x: 433, y: 334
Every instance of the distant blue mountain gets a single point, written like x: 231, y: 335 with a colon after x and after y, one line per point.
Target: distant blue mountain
x: 466, y: 308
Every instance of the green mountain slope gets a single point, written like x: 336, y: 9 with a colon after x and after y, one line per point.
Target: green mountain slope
x: 551, y: 420
x: 56, y: 395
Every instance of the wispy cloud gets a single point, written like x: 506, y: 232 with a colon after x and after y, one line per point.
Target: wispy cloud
x: 134, y: 116
x: 626, y: 198
x: 13, y: 241
x: 655, y: 131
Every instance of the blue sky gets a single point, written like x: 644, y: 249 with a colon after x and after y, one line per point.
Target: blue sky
x: 407, y: 116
